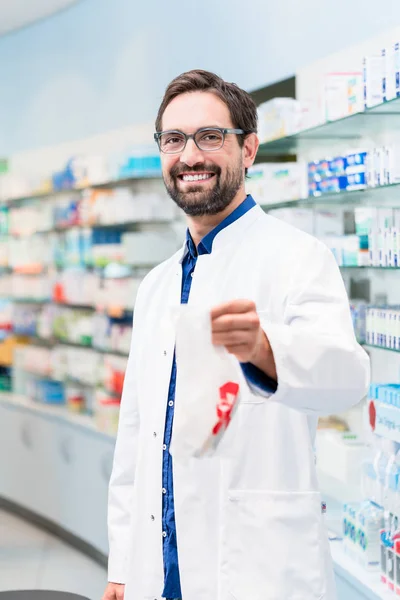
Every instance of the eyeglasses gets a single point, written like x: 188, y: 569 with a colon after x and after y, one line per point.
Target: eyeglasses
x: 208, y: 139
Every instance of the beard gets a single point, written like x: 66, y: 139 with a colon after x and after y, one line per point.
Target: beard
x: 197, y: 202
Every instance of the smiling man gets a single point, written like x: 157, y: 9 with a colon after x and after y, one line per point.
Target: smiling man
x: 247, y: 528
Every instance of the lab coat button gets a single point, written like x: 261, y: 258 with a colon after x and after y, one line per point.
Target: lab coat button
x: 165, y: 353
x: 164, y: 491
x: 155, y: 434
x: 164, y: 446
x: 171, y: 403
x: 164, y: 534
x: 152, y: 517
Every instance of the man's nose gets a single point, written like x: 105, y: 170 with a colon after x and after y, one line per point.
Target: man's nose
x: 191, y: 155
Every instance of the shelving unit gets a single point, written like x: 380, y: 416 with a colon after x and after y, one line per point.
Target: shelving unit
x: 88, y: 212
x: 368, y: 194
x: 50, y: 343
x: 108, y: 184
x: 373, y: 122
x: 381, y: 348
x: 369, y: 267
x: 376, y: 126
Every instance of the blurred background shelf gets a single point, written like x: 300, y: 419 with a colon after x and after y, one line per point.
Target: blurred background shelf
x: 112, y: 183
x: 372, y: 122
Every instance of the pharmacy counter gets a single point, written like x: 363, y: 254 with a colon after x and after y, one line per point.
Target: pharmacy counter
x: 354, y: 582
x: 56, y: 466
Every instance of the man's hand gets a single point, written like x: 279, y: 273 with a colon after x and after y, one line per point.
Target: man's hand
x: 236, y: 326
x: 114, y: 591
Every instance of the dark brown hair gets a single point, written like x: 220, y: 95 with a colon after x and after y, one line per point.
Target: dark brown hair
x: 241, y: 105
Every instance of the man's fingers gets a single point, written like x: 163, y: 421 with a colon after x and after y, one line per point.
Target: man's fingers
x: 235, y: 322
x: 230, y: 338
x: 238, y: 350
x: 114, y: 591
x: 232, y: 307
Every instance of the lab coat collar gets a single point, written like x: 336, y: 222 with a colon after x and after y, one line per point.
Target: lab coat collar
x: 229, y: 234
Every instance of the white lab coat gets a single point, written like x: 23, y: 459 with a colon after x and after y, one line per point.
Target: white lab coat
x: 249, y: 527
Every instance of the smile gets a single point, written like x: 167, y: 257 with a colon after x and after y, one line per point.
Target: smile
x: 196, y: 177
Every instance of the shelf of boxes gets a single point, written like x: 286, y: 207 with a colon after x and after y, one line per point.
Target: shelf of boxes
x: 71, y: 259
x: 372, y: 122
x: 349, y: 197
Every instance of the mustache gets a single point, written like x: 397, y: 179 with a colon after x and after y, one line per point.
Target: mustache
x: 183, y: 168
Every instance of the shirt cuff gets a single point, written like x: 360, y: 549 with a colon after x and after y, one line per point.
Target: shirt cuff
x: 258, y: 379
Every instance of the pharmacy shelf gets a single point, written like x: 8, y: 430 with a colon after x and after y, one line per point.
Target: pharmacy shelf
x: 48, y: 301
x: 385, y: 192
x: 125, y: 312
x: 376, y: 121
x: 369, y: 267
x: 111, y: 183
x: 55, y: 413
x: 44, y: 270
x: 123, y: 226
x: 381, y: 348
x: 362, y: 584
x: 65, y: 380
x: 58, y: 342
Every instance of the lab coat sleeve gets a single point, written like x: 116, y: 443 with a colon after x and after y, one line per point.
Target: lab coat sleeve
x: 123, y: 472
x: 321, y: 368
x: 258, y: 381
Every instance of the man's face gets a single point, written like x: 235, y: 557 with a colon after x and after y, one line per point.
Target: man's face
x: 222, y: 170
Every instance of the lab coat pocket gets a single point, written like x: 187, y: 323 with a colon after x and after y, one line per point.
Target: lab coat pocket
x: 273, y: 548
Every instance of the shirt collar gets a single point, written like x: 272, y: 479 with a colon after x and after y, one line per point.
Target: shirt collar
x: 206, y: 244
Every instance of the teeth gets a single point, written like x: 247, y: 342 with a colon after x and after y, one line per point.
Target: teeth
x: 196, y: 177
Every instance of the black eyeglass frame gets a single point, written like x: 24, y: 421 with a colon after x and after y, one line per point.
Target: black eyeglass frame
x: 192, y: 136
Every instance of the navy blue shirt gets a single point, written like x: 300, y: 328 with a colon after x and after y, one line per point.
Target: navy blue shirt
x: 172, y: 585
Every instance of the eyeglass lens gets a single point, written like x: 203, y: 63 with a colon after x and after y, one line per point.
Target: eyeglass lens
x: 208, y: 140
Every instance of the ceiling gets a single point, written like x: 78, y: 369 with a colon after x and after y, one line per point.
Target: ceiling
x: 18, y: 13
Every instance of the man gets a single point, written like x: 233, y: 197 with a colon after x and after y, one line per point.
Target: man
x: 248, y: 527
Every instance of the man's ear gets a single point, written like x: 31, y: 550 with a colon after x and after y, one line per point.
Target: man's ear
x: 250, y: 149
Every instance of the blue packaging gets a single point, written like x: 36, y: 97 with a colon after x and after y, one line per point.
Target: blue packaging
x: 313, y: 189
x: 397, y: 67
x: 356, y: 181
x: 312, y: 171
x: 337, y: 166
x: 356, y: 162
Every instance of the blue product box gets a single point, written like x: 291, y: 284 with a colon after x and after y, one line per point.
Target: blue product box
x: 313, y: 189
x: 323, y: 169
x: 312, y: 171
x: 356, y: 181
x: 356, y: 162
x: 337, y: 166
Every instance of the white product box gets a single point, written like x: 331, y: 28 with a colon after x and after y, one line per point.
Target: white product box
x: 270, y: 183
x: 392, y: 167
x: 277, y: 118
x: 343, y: 94
x: 340, y: 456
x: 373, y: 69
x: 328, y: 223
x: 148, y: 248
x: 397, y: 67
x: 389, y: 74
x: 302, y: 218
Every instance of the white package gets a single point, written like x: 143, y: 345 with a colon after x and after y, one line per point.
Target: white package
x: 389, y: 74
x: 270, y: 183
x: 373, y: 70
x: 207, y: 388
x: 343, y: 94
x: 277, y: 118
x: 148, y: 248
